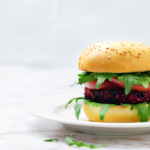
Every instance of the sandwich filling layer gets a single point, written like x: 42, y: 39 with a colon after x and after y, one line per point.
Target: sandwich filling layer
x: 116, y: 96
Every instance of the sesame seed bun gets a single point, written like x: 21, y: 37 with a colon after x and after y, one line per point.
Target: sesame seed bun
x: 116, y: 114
x: 115, y: 57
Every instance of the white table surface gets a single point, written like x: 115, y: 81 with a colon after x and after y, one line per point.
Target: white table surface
x: 21, y: 131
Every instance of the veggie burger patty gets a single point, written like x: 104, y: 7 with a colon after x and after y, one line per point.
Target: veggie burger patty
x: 117, y: 96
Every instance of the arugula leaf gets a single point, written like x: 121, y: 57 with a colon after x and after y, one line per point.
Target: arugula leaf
x: 128, y: 79
x: 100, y: 80
x: 134, y: 78
x: 125, y: 105
x: 103, y: 110
x: 102, y: 77
x: 76, y: 99
x: 128, y: 84
x: 73, y: 84
x: 51, y: 140
x: 70, y: 141
x: 92, y: 104
x: 144, y: 80
x: 78, y: 106
x: 143, y: 111
x: 83, y: 74
x: 87, y: 78
x: 149, y: 107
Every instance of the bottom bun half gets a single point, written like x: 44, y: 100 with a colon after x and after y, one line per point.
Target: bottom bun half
x: 116, y: 114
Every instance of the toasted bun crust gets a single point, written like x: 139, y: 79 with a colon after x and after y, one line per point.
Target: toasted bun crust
x: 115, y: 57
x: 116, y: 114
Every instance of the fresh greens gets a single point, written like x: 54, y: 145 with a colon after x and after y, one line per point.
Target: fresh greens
x: 143, y: 110
x: 83, y: 74
x: 76, y: 99
x: 78, y: 106
x: 129, y: 79
x: 74, y: 84
x: 134, y: 78
x: 102, y: 77
x: 149, y: 106
x: 70, y: 141
x: 92, y: 104
x: 51, y: 140
x: 87, y: 78
x: 125, y: 105
x: 103, y: 110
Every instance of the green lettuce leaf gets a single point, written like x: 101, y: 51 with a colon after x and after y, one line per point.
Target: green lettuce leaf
x: 87, y: 78
x: 51, y: 140
x: 75, y: 83
x: 144, y: 80
x: 92, y: 104
x: 143, y: 111
x: 138, y: 78
x: 83, y: 74
x: 70, y: 141
x: 73, y: 99
x: 102, y: 77
x: 125, y: 105
x: 149, y: 107
x: 134, y: 78
x: 78, y: 106
x: 103, y: 110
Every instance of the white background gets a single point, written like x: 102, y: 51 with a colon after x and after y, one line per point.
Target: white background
x: 50, y: 33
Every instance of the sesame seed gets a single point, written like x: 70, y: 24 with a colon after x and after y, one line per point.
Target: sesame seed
x: 112, y: 49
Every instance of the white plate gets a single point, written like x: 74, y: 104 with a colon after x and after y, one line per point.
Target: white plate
x: 53, y: 108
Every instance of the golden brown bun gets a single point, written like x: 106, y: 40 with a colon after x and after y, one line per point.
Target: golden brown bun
x: 115, y: 57
x: 116, y: 114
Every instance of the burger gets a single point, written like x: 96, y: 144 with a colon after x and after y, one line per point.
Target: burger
x: 116, y: 78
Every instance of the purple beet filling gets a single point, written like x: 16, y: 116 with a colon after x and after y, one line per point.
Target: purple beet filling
x: 117, y: 96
